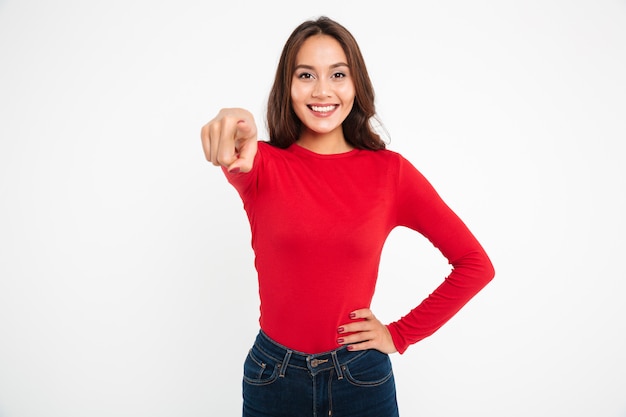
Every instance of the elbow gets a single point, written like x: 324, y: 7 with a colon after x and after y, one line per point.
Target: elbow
x: 476, y: 268
x: 490, y: 273
x: 488, y: 270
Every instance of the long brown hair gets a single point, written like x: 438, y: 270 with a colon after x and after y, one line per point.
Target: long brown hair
x: 283, y: 124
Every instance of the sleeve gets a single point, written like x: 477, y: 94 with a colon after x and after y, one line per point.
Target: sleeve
x: 246, y: 183
x: 420, y: 208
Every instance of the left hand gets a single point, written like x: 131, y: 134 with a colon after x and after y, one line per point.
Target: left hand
x: 367, y: 333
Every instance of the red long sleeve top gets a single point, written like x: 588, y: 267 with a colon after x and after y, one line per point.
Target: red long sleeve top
x: 319, y: 223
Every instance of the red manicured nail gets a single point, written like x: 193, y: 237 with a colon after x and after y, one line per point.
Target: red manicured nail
x: 235, y: 170
x: 340, y: 330
x: 340, y: 340
x: 350, y: 347
x: 352, y: 315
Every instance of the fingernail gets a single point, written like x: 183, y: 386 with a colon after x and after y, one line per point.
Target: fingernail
x: 340, y: 340
x: 235, y: 170
x: 340, y: 330
x: 352, y: 315
x: 350, y: 347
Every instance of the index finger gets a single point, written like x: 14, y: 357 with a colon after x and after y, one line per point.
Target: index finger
x: 224, y: 152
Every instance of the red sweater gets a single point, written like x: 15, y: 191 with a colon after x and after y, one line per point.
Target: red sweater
x: 318, y: 226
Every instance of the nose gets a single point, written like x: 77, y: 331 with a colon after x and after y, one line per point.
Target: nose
x: 322, y: 88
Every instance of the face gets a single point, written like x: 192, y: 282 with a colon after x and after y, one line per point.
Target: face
x: 322, y: 90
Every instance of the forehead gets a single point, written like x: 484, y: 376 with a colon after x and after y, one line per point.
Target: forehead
x: 320, y: 50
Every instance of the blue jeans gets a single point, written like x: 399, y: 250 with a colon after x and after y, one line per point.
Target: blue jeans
x: 279, y: 382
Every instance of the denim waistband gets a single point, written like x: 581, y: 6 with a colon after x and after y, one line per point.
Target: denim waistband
x: 315, y: 363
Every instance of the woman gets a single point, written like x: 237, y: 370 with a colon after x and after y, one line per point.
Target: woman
x: 322, y: 195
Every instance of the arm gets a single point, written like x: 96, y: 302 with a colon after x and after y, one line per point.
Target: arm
x: 422, y: 209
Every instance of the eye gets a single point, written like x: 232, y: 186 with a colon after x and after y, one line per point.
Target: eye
x: 339, y: 75
x: 305, y: 76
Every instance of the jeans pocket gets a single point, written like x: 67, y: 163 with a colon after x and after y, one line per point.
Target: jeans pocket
x: 371, y: 369
x: 258, y: 369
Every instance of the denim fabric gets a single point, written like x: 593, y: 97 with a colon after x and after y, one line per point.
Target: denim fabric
x: 280, y: 382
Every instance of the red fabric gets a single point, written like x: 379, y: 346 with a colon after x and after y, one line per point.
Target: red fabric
x: 318, y: 226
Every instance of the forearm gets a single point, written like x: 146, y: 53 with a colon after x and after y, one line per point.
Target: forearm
x: 471, y: 274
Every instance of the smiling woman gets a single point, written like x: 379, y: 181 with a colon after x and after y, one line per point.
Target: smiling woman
x: 321, y: 197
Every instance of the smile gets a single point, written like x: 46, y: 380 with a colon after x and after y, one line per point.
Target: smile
x: 323, y: 109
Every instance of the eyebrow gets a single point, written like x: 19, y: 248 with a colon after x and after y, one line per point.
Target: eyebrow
x: 337, y: 65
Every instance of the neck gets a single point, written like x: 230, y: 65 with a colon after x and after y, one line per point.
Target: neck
x: 324, y: 143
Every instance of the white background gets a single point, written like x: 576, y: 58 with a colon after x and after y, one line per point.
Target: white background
x: 126, y: 279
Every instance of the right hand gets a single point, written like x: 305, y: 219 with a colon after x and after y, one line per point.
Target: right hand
x: 230, y: 140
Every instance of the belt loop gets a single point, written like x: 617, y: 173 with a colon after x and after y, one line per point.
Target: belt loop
x: 337, y: 366
x: 283, y: 366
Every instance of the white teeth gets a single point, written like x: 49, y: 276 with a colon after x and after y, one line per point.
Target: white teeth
x: 322, y: 109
